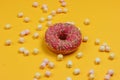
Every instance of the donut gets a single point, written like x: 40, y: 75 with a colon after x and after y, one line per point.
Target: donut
x: 63, y: 38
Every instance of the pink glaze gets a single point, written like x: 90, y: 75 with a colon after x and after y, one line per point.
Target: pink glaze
x: 63, y: 38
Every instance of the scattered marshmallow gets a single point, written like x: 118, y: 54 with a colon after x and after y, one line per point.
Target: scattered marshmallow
x: 110, y: 72
x: 49, y: 17
x: 53, y: 12
x: 42, y: 19
x: 65, y: 10
x: 51, y: 65
x: 8, y: 42
x: 87, y: 21
x: 59, y: 10
x: 85, y: 38
x: 7, y: 26
x: 69, y: 64
x: 35, y: 35
x: 37, y: 75
x: 107, y: 77
x: 20, y: 14
x: 59, y: 57
x: 91, y: 77
x: 102, y: 48
x: 79, y: 55
x: 26, y: 19
x: 35, y: 4
x: 42, y: 65
x: 46, y: 61
x: 97, y: 41
x: 111, y: 56
x: 21, y: 50
x: 76, y: 71
x: 97, y: 60
x: 107, y: 48
x: 21, y: 40
x: 47, y: 73
x: 26, y: 52
x: 39, y: 27
x: 35, y: 51
x: 68, y: 78
x: 63, y: 4
x: 49, y: 23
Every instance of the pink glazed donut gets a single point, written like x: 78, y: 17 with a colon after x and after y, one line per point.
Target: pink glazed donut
x: 63, y: 38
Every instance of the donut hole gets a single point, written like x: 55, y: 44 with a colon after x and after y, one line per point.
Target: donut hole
x: 63, y: 36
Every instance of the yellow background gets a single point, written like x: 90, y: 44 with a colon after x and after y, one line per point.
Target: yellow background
x: 105, y: 25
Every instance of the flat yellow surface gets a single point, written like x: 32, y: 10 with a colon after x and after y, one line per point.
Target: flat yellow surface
x: 105, y: 25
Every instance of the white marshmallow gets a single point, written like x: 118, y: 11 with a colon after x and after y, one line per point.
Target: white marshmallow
x: 79, y: 55
x: 26, y: 19
x: 8, y: 42
x: 111, y: 56
x: 7, y: 26
x: 39, y: 27
x: 21, y: 40
x: 97, y: 41
x: 97, y: 60
x: 51, y: 65
x: 37, y: 75
x: 76, y: 71
x: 69, y: 64
x: 85, y: 38
x: 59, y: 57
x: 42, y: 19
x: 35, y: 51
x: 87, y: 21
x: 102, y: 48
x: 20, y: 14
x: 68, y: 78
x: 21, y: 50
x: 35, y: 4
x: 35, y: 35
x: 47, y: 73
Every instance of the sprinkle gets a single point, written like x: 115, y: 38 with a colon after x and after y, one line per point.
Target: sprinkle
x: 49, y: 17
x: 91, y: 77
x: 35, y: 51
x: 47, y: 73
x: 59, y: 57
x: 65, y: 10
x: 111, y: 56
x: 68, y: 78
x: 45, y: 9
x: 79, y: 55
x: 46, y: 61
x: 44, y: 6
x: 63, y: 4
x: 26, y: 19
x: 107, y: 77
x: 69, y: 64
x: 87, y: 21
x: 71, y: 23
x: 51, y: 65
x: 105, y: 44
x: 53, y: 12
x: 59, y: 10
x: 107, y: 49
x: 8, y: 42
x: 21, y: 50
x: 91, y: 72
x: 7, y: 26
x: 35, y: 4
x: 42, y: 19
x: 22, y: 33
x: 97, y: 41
x: 76, y: 71
x: 37, y: 75
x: 42, y: 65
x: 21, y: 40
x: 102, y: 48
x: 85, y: 38
x: 49, y: 23
x: 97, y: 60
x: 27, y: 31
x: 61, y: 1
x: 20, y: 15
x: 35, y: 79
x: 26, y: 52
x: 35, y: 35
x: 110, y: 72
x: 39, y: 27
